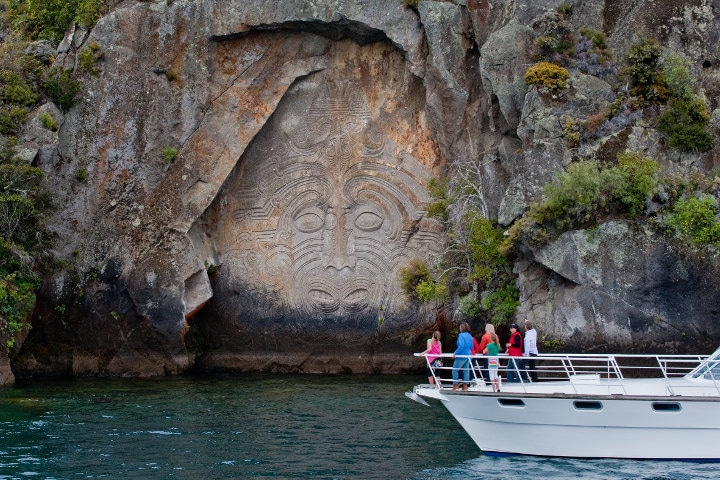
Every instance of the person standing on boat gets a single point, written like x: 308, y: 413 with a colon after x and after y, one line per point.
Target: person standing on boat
x: 484, y: 340
x: 462, y: 353
x: 433, y: 352
x: 530, y: 351
x: 492, y: 350
x: 514, y: 350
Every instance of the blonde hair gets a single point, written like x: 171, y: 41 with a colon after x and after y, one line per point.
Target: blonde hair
x: 489, y: 328
x: 494, y: 338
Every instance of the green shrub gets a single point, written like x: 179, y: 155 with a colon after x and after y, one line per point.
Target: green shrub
x: 482, y: 242
x: 685, y: 122
x: 21, y: 203
x: 62, y: 89
x: 47, y: 121
x: 86, y: 61
x: 599, y: 39
x: 17, y: 296
x: 81, y: 174
x: 636, y: 182
x: 169, y: 154
x: 47, y: 19
x: 571, y: 132
x: 88, y: 12
x: 438, y: 208
x: 427, y: 290
x: 644, y: 73
x: 502, y: 303
x: 11, y: 118
x: 50, y: 19
x: 549, y: 75
x: 696, y: 219
x: 412, y: 275
x: 15, y: 91
x: 586, y: 193
x: 469, y: 305
x: 565, y: 8
x: 676, y: 72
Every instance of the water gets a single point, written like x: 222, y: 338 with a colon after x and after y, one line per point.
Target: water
x: 262, y: 427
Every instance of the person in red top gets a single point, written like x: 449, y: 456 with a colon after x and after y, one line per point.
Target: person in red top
x: 514, y: 349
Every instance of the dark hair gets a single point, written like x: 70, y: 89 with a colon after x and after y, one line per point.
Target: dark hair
x: 514, y: 325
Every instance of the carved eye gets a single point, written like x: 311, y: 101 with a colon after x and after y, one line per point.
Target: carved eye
x: 309, y: 220
x: 323, y: 300
x: 357, y: 296
x: 368, y: 221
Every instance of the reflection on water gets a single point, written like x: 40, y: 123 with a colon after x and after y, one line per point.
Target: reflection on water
x: 261, y: 426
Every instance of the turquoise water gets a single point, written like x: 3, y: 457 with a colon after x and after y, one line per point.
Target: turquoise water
x: 261, y: 426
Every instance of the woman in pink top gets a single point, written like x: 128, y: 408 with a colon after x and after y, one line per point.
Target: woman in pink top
x: 433, y: 351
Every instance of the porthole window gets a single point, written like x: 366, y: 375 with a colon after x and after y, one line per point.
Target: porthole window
x: 587, y: 405
x: 666, y: 406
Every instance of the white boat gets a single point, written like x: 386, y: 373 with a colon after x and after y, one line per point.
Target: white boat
x: 592, y: 406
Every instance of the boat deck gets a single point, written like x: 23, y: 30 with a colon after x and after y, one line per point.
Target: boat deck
x: 599, y: 374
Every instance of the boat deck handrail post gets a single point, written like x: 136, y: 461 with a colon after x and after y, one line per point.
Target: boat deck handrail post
x: 614, y: 367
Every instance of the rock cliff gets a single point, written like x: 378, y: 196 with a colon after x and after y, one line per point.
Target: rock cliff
x: 301, y: 138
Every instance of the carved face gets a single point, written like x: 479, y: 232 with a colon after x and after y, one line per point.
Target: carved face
x: 324, y: 217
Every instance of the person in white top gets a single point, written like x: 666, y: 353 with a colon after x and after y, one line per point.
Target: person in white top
x: 530, y: 351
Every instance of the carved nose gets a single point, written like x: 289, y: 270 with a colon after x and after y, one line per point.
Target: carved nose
x: 338, y: 248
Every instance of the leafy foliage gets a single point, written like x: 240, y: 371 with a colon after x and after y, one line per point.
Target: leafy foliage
x: 169, y: 154
x: 676, y: 72
x: 415, y: 273
x: 549, y: 75
x: 502, y: 304
x: 15, y: 90
x: 47, y: 121
x: 685, y: 122
x: 586, y: 193
x: 22, y: 203
x: 696, y: 219
x: 438, y: 208
x: 62, y: 89
x: 49, y: 19
x: 482, y: 243
x: 87, y: 61
x: 643, y: 71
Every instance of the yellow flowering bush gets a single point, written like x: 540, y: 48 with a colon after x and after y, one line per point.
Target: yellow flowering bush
x: 550, y: 75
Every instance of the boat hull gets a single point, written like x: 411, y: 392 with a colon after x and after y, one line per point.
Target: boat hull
x: 595, y: 426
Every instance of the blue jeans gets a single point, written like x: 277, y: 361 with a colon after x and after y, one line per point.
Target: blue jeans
x: 464, y: 365
x: 528, y: 366
x: 513, y: 375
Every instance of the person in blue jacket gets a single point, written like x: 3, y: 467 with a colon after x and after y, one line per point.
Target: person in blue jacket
x: 462, y: 363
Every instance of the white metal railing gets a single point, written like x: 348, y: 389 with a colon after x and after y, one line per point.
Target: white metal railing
x: 609, y: 369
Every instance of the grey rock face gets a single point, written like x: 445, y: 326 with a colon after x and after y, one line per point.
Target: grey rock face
x: 305, y: 134
x: 614, y: 287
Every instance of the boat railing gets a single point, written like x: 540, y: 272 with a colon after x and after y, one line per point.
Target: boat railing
x: 586, y: 372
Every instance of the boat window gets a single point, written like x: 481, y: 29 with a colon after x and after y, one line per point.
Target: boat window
x: 713, y: 372
x: 587, y: 405
x: 666, y: 406
x: 511, y: 402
